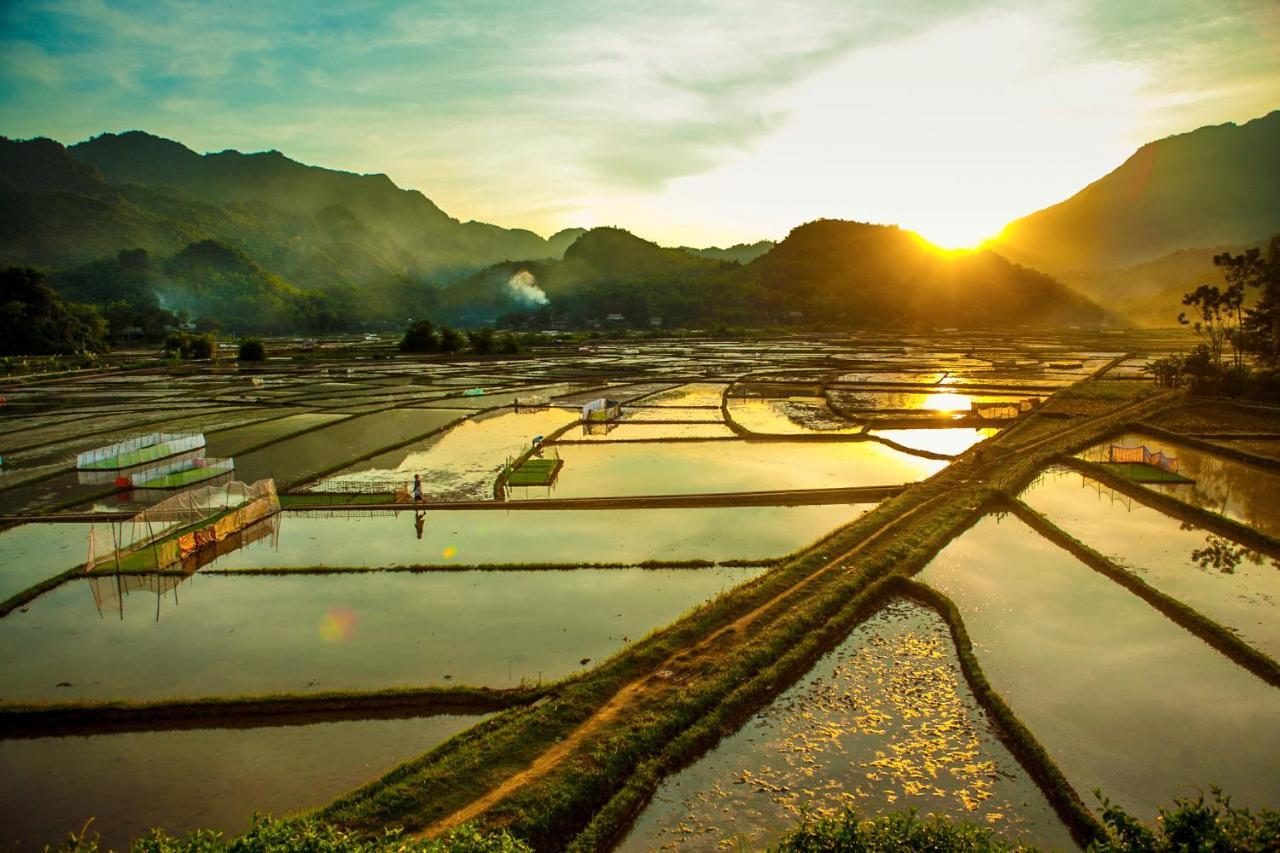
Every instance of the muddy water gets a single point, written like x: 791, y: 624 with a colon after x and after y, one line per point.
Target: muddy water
x: 1246, y: 493
x: 461, y: 463
x: 1121, y: 697
x: 885, y: 722
x: 229, y: 634
x: 198, y: 779
x: 797, y: 415
x: 482, y: 537
x: 1233, y: 585
x: 732, y: 466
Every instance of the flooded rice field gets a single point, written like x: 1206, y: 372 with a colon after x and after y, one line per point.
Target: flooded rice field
x: 196, y: 779
x: 1121, y: 697
x: 886, y: 721
x: 31, y: 553
x: 1247, y: 493
x: 206, y: 636
x: 1234, y: 585
x: 615, y: 468
x: 485, y: 537
x: 461, y: 463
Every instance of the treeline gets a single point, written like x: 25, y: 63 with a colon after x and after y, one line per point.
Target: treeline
x: 1239, y: 353
x: 217, y: 287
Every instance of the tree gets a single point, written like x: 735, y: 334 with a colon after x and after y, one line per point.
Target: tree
x: 450, y: 340
x: 481, y: 341
x: 1262, y: 322
x: 252, y: 350
x: 1219, y: 316
x: 35, y: 321
x: 419, y: 337
x: 192, y: 346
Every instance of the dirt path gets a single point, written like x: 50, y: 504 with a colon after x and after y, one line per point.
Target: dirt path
x: 686, y: 659
x: 629, y: 694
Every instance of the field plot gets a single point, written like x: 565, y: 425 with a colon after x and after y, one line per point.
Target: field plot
x: 1121, y: 697
x: 1228, y: 582
x: 732, y: 466
x: 948, y: 441
x: 883, y: 722
x: 630, y: 431
x: 199, y: 779
x: 692, y: 394
x: 484, y: 537
x: 339, y: 631
x: 310, y: 454
x: 793, y: 415
x: 30, y: 553
x: 1246, y: 493
x: 462, y: 462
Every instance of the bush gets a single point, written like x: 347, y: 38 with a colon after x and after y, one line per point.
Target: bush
x: 192, y: 346
x: 450, y: 340
x: 481, y: 341
x: 253, y: 350
x: 419, y: 337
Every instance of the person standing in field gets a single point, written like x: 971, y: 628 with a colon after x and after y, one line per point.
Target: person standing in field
x: 417, y: 487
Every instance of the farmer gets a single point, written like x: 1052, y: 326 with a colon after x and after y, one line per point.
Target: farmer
x: 417, y: 487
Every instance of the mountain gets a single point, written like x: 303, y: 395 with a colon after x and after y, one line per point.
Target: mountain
x: 832, y: 272
x: 315, y: 227
x: 1212, y: 186
x: 742, y: 253
x: 863, y: 275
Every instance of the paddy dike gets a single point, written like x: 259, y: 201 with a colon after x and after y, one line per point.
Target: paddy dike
x: 603, y: 743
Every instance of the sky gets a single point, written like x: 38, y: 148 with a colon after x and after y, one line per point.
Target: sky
x: 687, y: 123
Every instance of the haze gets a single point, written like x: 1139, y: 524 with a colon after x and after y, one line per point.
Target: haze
x: 730, y: 122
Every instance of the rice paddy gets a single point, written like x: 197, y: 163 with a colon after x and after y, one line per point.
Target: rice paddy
x: 611, y: 567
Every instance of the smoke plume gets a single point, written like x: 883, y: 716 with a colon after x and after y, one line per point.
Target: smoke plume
x: 523, y: 288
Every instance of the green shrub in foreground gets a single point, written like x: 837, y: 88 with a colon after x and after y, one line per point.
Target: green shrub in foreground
x: 1192, y: 825
x: 309, y: 836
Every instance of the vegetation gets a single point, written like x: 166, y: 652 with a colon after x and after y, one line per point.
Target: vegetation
x: 188, y: 346
x: 35, y: 321
x: 1224, y: 320
x: 269, y: 836
x: 252, y: 350
x: 1189, y: 825
x: 420, y: 337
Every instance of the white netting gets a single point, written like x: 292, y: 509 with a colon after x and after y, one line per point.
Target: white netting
x: 186, y: 510
x: 139, y: 450
x: 209, y: 466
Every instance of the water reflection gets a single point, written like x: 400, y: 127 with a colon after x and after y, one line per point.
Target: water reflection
x: 1244, y: 492
x: 1115, y: 691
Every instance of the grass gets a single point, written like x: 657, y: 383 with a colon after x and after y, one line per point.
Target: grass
x: 613, y: 769
x: 535, y: 472
x: 1139, y: 472
x: 185, y: 477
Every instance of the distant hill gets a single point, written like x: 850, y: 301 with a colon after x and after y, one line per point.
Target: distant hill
x: 742, y: 253
x: 314, y: 226
x: 1216, y: 185
x: 837, y: 273
x: 861, y: 275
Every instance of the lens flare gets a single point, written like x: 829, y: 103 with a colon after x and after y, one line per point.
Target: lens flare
x: 338, y: 624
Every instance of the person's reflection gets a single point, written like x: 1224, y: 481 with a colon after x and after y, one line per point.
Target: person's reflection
x: 419, y: 521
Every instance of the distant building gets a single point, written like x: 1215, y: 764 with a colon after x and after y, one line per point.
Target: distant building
x: 655, y: 322
x: 615, y: 318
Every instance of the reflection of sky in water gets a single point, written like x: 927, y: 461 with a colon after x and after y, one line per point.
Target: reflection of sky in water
x: 229, y: 634
x: 1160, y: 549
x: 1244, y: 492
x: 800, y: 416
x: 475, y: 537
x: 30, y: 553
x: 732, y: 466
x: 464, y: 461
x: 1120, y: 696
x: 948, y: 441
x: 884, y: 722
x: 198, y: 779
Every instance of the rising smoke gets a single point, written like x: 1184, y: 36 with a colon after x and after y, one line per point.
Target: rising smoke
x: 523, y: 288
